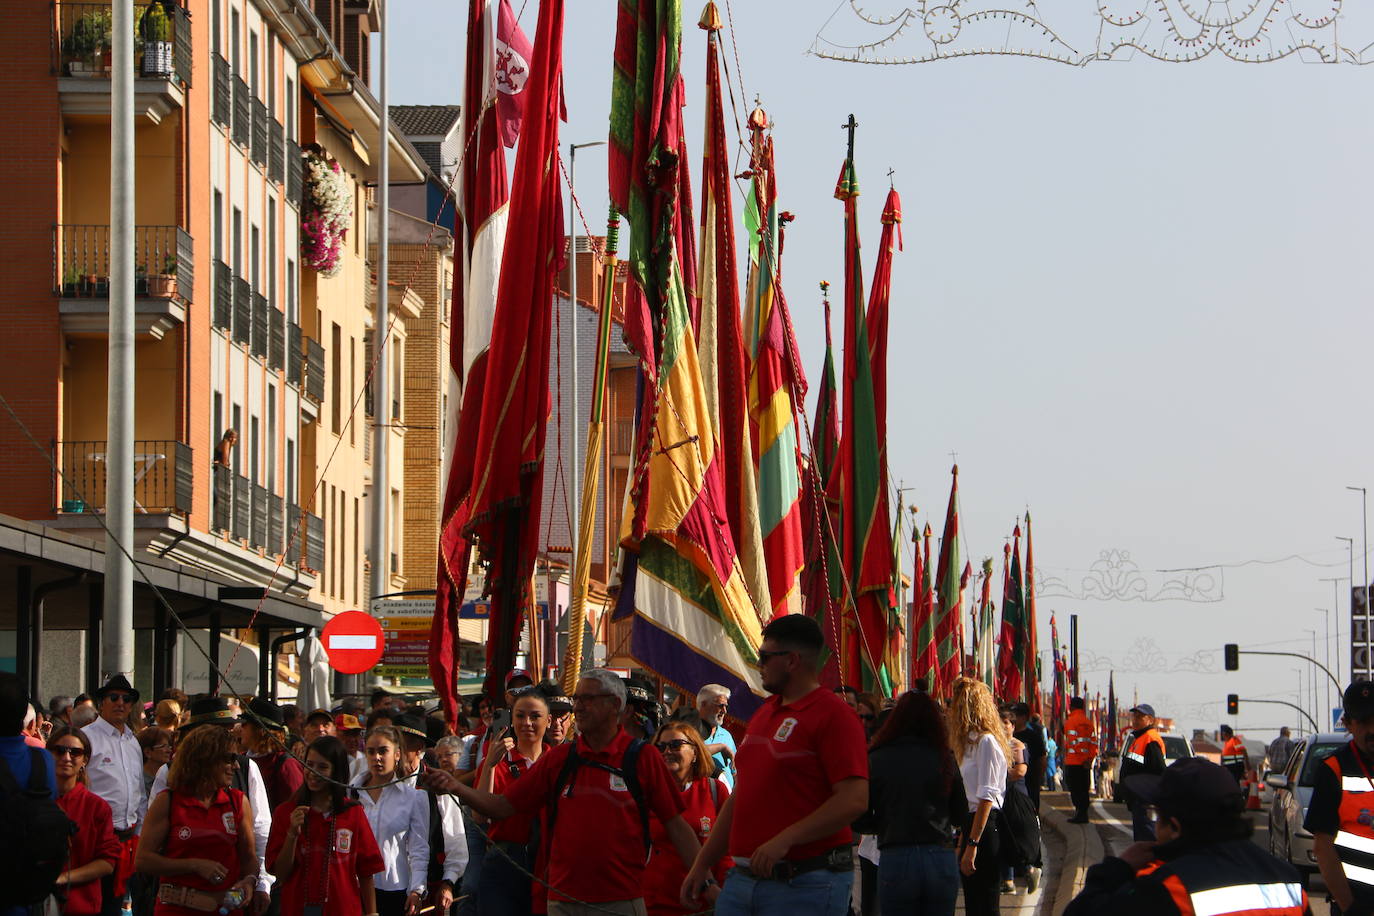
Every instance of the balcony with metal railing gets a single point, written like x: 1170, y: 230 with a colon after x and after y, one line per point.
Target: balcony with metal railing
x: 276, y: 152
x: 81, y: 57
x: 314, y: 542
x: 295, y: 355
x: 260, y: 121
x: 314, y: 370
x: 276, y: 339
x: 243, y: 508
x: 222, y: 506
x: 222, y: 108
x: 261, y: 310
x: 258, y: 536
x: 224, y: 296
x: 243, y: 311
x: 164, y: 278
x: 295, y: 174
x: 243, y: 113
x: 164, y: 477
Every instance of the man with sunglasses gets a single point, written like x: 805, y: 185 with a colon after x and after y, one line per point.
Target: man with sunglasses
x: 115, y: 770
x: 802, y: 780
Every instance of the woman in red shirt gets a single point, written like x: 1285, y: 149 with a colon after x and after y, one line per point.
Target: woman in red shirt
x: 687, y: 759
x: 198, y: 835
x: 94, y: 849
x: 503, y: 889
x: 321, y: 847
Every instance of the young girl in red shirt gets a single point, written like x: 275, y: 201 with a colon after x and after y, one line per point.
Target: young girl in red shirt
x: 94, y: 850
x: 321, y: 847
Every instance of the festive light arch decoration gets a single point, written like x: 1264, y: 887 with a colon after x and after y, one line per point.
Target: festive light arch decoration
x: 1175, y: 31
x: 1114, y: 576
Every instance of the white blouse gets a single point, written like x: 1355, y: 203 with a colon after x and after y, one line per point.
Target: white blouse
x: 400, y: 823
x: 984, y: 771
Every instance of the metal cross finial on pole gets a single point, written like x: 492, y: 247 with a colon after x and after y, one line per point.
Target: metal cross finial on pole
x: 890, y: 172
x: 849, y: 126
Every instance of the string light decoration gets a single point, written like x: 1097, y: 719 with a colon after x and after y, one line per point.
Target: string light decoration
x: 1114, y: 576
x: 1175, y: 31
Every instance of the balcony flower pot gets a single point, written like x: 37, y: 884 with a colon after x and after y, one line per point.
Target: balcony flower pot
x: 155, y: 31
x: 73, y: 506
x: 79, y: 69
x: 162, y: 286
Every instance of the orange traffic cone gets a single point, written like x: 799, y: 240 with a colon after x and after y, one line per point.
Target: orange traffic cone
x: 1252, y: 801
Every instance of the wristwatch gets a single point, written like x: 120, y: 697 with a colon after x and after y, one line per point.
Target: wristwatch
x: 973, y: 842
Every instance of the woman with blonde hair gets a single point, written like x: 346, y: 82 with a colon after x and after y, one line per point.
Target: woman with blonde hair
x: 980, y: 745
x: 167, y: 715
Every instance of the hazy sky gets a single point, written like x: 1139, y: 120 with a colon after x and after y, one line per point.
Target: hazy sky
x: 1133, y: 298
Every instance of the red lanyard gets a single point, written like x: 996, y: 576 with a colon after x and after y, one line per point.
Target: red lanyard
x: 327, y: 861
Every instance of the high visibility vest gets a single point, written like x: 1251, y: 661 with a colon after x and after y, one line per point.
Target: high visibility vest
x: 1136, y: 752
x: 1355, y: 837
x: 1232, y: 877
x: 1080, y: 743
x: 1233, y: 755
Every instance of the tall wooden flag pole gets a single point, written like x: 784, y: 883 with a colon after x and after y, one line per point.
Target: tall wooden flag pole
x: 586, y: 521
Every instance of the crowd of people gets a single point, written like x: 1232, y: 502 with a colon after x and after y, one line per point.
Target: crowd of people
x: 602, y: 803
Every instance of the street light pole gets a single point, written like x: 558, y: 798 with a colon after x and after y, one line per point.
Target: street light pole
x: 574, y: 466
x: 1364, y: 522
x: 1327, y: 616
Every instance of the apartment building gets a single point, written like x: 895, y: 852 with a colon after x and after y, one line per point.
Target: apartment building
x: 251, y: 444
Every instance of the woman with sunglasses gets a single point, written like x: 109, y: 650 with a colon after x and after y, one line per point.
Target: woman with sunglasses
x: 691, y: 766
x: 399, y: 816
x: 503, y: 889
x: 94, y: 847
x: 321, y: 848
x: 198, y: 836
x: 156, y: 743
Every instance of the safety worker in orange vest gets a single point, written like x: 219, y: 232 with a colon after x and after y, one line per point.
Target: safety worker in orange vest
x: 1338, y: 816
x: 1234, y: 757
x: 1144, y: 754
x: 1080, y: 749
x: 1205, y: 861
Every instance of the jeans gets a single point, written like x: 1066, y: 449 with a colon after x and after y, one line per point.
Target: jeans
x: 1142, y: 828
x: 504, y: 890
x: 815, y: 893
x: 918, y: 879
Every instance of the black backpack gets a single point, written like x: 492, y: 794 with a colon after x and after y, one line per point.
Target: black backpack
x: 35, y: 835
x: 628, y: 771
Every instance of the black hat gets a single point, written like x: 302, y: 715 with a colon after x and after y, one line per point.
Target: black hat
x: 120, y: 683
x: 553, y: 694
x: 324, y: 714
x: 639, y: 690
x: 1358, y: 702
x: 1193, y: 785
x: 209, y: 711
x: 435, y: 728
x: 263, y: 713
x: 410, y: 723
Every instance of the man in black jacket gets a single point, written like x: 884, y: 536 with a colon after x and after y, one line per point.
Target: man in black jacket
x: 1144, y: 753
x: 1204, y: 861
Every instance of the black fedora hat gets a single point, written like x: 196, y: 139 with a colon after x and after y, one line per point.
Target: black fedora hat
x: 411, y: 723
x: 263, y: 713
x: 118, y: 683
x: 210, y: 711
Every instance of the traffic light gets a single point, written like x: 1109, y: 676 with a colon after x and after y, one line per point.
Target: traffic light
x: 1232, y: 654
x: 1232, y: 704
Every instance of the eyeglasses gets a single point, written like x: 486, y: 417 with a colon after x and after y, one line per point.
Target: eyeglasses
x: 160, y: 747
x: 231, y: 759
x: 63, y: 750
x: 588, y: 697
x: 675, y: 745
x: 119, y: 697
x: 765, y: 655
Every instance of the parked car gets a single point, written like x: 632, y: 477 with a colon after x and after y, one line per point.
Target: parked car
x: 1292, y: 791
x: 1176, y: 747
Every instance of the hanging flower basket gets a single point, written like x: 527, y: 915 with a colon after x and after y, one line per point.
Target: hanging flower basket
x: 326, y: 213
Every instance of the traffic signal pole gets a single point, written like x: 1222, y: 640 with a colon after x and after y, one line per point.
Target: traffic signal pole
x: 1315, y: 728
x: 1232, y: 651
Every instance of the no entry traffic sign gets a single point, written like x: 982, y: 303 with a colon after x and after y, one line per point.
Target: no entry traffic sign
x: 353, y: 642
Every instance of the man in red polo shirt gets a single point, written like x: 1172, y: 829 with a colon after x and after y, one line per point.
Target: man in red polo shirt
x: 598, y: 842
x: 802, y: 778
